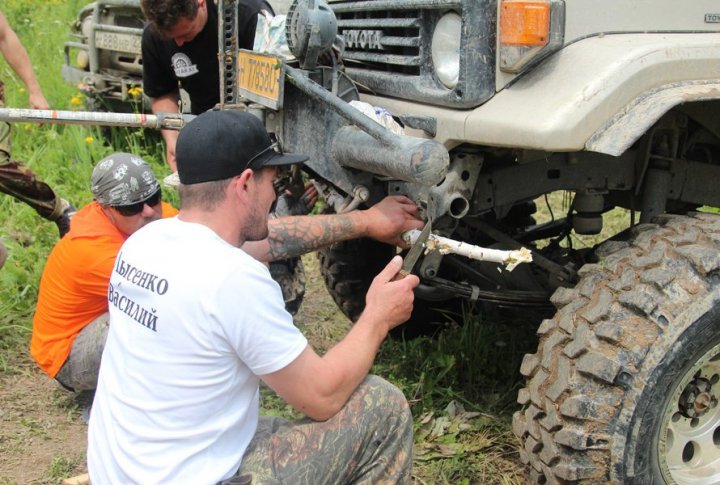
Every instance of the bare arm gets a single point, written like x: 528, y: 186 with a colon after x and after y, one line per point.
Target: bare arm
x: 18, y: 59
x: 168, y: 103
x: 320, y: 386
x: 294, y: 236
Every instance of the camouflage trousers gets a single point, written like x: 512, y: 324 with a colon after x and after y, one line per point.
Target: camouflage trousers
x: 80, y: 370
x: 3, y: 254
x: 20, y: 182
x: 370, y: 441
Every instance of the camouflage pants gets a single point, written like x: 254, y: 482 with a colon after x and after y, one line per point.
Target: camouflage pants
x: 80, y: 370
x: 3, y: 254
x: 370, y: 441
x: 20, y: 182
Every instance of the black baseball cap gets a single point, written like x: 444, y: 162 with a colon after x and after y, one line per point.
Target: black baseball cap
x: 218, y: 145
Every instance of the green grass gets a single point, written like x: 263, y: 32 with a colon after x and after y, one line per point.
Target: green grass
x: 462, y: 386
x: 63, y: 467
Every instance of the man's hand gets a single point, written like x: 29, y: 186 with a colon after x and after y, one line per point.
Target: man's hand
x: 37, y: 100
x: 168, y: 103
x: 288, y: 204
x: 320, y: 386
x: 391, y: 217
x: 388, y: 301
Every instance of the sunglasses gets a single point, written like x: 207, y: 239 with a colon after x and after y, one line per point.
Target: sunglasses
x: 137, y: 208
x: 256, y: 162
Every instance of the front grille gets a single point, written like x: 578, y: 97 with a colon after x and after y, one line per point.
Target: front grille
x: 383, y: 41
x: 388, y: 43
x: 131, y: 19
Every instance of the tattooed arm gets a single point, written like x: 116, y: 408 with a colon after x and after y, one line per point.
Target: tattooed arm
x: 297, y: 235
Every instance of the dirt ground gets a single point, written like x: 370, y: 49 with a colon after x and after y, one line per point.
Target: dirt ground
x: 42, y: 433
x: 41, y: 427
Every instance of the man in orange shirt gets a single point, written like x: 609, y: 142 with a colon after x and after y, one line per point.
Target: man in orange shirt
x: 71, y: 320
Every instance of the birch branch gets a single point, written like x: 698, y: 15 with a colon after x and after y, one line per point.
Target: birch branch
x: 445, y: 245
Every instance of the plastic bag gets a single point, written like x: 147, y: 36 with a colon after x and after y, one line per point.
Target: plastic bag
x: 381, y: 115
x: 270, y: 36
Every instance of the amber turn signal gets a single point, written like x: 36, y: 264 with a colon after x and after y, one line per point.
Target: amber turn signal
x: 524, y: 23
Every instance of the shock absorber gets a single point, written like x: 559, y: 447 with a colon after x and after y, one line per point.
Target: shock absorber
x: 657, y: 187
x: 664, y: 146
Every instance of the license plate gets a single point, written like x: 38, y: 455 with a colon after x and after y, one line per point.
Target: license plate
x: 260, y: 78
x: 114, y: 41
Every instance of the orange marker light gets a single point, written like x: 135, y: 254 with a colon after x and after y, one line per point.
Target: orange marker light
x: 524, y: 23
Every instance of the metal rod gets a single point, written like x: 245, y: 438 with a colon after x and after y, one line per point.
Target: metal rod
x: 118, y: 29
x: 395, y: 5
x: 314, y: 90
x: 158, y: 121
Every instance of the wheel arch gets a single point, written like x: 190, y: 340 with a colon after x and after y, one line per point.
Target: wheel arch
x: 618, y: 133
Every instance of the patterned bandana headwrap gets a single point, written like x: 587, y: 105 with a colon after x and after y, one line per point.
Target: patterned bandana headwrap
x: 122, y: 179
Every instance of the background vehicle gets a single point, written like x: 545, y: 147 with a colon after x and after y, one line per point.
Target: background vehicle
x: 103, y: 59
x: 503, y: 102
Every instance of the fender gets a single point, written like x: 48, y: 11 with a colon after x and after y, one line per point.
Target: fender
x: 599, y: 94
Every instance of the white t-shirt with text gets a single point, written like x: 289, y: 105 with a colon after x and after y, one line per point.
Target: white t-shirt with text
x: 193, y: 322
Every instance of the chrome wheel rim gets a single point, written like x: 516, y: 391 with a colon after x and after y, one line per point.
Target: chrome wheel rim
x: 689, y: 442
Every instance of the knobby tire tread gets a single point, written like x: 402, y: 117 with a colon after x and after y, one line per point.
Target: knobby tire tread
x: 590, y: 354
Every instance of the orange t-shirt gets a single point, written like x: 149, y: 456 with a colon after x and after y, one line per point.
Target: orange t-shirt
x: 74, y: 284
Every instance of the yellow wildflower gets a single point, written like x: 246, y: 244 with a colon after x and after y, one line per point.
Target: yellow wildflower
x: 21, y: 90
x: 76, y: 100
x: 88, y: 139
x: 135, y: 91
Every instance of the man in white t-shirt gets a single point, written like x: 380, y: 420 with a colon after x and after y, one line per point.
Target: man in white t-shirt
x: 197, y: 322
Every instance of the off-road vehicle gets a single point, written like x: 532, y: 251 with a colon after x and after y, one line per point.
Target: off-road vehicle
x: 103, y: 58
x: 502, y: 102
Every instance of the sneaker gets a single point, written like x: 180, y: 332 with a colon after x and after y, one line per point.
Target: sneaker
x: 63, y: 222
x: 172, y: 180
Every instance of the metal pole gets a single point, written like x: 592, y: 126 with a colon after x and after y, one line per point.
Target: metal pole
x: 314, y: 90
x: 158, y: 121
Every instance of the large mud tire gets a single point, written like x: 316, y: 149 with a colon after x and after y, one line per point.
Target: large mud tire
x: 622, y: 366
x: 290, y: 275
x: 348, y: 269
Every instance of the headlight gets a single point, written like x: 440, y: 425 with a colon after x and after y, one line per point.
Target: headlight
x: 83, y: 60
x: 446, y: 49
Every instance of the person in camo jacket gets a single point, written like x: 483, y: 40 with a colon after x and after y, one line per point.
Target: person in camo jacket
x: 16, y: 179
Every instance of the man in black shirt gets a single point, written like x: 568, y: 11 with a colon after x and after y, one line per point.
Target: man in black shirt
x: 180, y: 46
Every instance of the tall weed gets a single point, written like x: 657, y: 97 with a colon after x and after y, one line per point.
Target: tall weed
x: 474, y: 360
